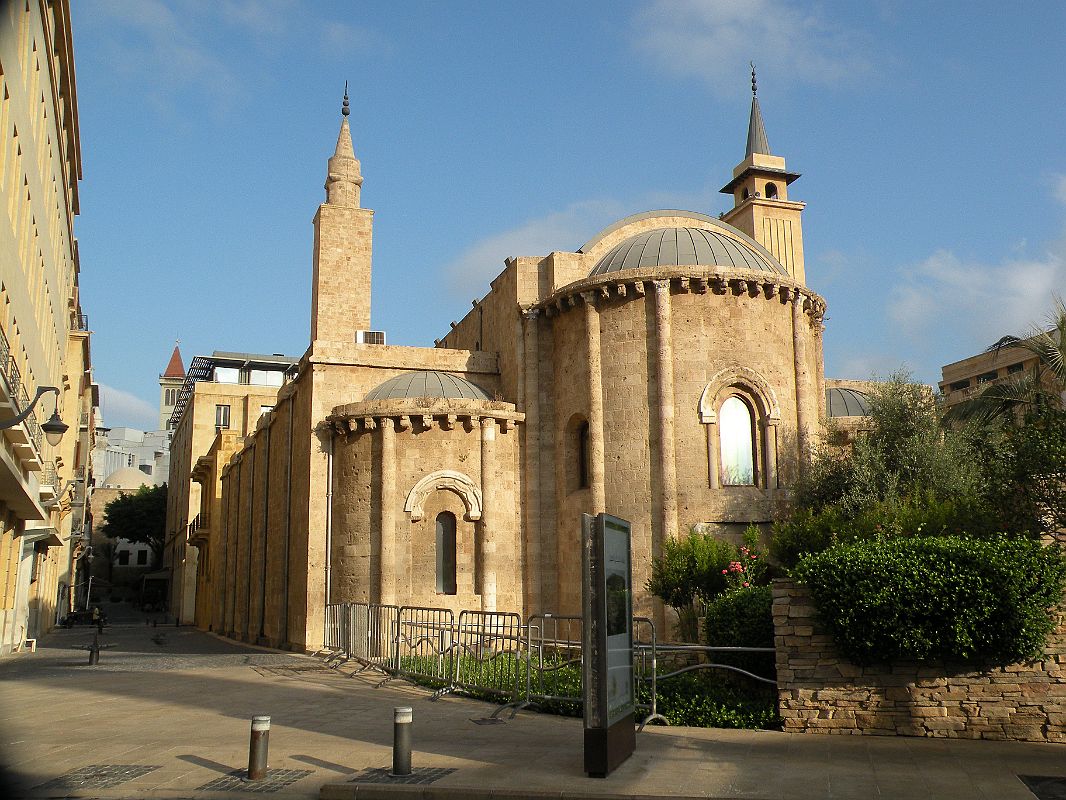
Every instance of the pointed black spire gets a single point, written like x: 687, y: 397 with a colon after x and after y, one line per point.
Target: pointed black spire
x: 344, y: 106
x: 756, y: 130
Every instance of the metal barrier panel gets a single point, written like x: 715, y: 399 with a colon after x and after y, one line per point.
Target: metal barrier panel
x: 333, y: 639
x: 382, y: 637
x: 489, y: 653
x: 553, y: 660
x: 357, y: 642
x: 424, y: 644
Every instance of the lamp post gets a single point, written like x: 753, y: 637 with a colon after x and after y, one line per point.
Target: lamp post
x: 53, y: 429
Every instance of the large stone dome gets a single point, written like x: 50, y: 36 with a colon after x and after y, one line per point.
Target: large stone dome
x: 127, y: 478
x: 426, y: 383
x: 683, y: 247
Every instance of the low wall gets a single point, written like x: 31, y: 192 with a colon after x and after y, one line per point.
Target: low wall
x: 820, y: 691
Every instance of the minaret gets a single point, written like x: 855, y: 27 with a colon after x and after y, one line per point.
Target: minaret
x: 340, y: 292
x: 761, y: 207
x: 170, y: 382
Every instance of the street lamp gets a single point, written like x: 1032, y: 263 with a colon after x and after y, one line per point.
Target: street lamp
x: 53, y: 429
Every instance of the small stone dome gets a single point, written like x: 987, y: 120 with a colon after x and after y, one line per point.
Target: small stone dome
x: 426, y: 383
x: 683, y: 247
x: 841, y: 402
x: 127, y: 478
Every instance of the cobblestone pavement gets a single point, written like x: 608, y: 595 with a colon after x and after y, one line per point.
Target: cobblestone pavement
x: 166, y: 715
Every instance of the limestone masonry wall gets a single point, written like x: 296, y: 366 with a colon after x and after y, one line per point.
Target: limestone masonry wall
x: 821, y: 692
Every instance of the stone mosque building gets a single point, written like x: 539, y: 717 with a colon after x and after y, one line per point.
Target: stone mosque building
x: 668, y: 372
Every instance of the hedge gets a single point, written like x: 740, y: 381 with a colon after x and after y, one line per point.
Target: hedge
x: 949, y: 599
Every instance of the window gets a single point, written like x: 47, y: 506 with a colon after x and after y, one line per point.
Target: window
x: 771, y: 191
x: 1014, y: 369
x: 986, y: 377
x: 446, y: 553
x: 736, y: 431
x: 142, y: 557
x: 244, y: 376
x: 123, y: 558
x: 265, y: 410
x: 583, y: 456
x: 221, y: 417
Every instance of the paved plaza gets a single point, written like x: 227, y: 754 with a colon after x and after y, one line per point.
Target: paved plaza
x: 166, y: 714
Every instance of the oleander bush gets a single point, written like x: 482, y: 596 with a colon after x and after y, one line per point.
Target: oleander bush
x: 984, y: 601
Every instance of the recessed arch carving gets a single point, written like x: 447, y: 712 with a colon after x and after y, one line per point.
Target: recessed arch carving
x: 760, y: 389
x: 449, y: 480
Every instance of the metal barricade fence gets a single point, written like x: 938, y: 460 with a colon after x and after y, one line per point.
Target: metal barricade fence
x: 357, y: 643
x: 645, y: 668
x: 334, y: 636
x: 488, y: 653
x: 424, y: 643
x: 553, y: 660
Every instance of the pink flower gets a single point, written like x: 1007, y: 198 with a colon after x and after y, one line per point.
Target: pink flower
x: 725, y: 572
x: 745, y: 584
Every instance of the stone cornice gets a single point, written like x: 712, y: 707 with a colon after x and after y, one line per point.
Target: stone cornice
x: 423, y: 413
x: 628, y: 284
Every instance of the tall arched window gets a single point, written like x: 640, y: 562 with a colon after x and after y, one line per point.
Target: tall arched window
x: 446, y: 553
x: 583, y: 456
x: 736, y: 431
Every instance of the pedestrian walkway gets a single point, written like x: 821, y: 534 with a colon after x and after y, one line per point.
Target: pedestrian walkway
x: 166, y: 714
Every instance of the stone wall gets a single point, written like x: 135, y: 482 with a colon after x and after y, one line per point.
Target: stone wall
x: 821, y: 692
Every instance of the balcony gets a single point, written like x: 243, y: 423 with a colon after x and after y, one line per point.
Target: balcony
x: 48, y: 481
x: 82, y: 322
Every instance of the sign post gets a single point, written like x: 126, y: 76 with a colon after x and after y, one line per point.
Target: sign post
x: 607, y: 666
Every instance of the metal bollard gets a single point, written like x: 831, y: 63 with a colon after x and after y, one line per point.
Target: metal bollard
x: 401, y: 741
x: 94, y: 651
x: 258, y: 745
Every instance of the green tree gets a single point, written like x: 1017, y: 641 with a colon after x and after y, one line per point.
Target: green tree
x: 139, y: 517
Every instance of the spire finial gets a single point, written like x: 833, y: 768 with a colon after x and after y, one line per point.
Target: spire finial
x: 754, y: 83
x: 345, y: 110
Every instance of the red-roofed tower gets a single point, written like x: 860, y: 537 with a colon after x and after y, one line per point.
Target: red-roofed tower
x: 170, y: 382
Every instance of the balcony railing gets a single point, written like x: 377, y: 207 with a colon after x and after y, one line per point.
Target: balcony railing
x: 20, y: 399
x: 82, y: 322
x: 48, y: 474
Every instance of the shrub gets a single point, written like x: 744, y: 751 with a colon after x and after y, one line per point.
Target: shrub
x: 952, y: 598
x: 743, y: 618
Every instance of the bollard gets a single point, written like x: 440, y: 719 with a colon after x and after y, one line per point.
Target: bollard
x: 258, y: 745
x: 401, y: 741
x: 94, y: 651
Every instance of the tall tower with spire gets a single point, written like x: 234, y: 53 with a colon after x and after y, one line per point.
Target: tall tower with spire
x: 340, y: 292
x: 170, y: 381
x: 761, y: 207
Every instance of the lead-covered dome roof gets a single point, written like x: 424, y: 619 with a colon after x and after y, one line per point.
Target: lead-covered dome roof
x: 427, y: 383
x: 842, y: 402
x: 682, y: 247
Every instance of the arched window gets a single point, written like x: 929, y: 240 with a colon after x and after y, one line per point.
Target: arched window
x: 446, y: 553
x: 583, y: 455
x: 771, y: 191
x: 736, y: 432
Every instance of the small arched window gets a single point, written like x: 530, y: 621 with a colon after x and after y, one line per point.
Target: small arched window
x: 771, y: 191
x: 446, y: 553
x: 583, y: 455
x: 736, y: 430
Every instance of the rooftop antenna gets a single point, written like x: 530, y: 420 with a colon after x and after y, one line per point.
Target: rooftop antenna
x: 344, y: 106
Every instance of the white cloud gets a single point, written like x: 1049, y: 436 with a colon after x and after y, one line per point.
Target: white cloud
x: 712, y: 39
x: 969, y: 300
x: 1058, y: 183
x: 471, y: 271
x: 123, y: 408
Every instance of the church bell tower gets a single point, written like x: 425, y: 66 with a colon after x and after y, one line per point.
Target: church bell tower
x: 761, y: 207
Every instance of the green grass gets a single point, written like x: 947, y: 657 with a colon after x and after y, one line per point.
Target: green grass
x: 701, y: 699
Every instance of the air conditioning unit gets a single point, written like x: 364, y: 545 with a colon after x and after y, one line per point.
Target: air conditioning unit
x: 370, y: 337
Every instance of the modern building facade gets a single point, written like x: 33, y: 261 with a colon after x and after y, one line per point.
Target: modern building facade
x: 669, y: 372
x: 44, y: 336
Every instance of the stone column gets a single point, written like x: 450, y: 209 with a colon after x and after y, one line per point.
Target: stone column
x: 770, y: 453
x: 597, y: 456
x: 489, y: 515
x: 799, y: 349
x: 712, y: 454
x: 387, y: 555
x: 664, y: 367
x: 531, y: 531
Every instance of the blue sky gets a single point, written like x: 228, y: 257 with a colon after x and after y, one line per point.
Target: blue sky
x: 930, y: 138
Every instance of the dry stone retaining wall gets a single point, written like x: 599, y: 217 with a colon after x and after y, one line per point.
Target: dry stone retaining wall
x: 822, y: 692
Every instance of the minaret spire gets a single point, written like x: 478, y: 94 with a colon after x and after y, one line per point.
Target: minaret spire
x: 344, y: 177
x: 756, y: 130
